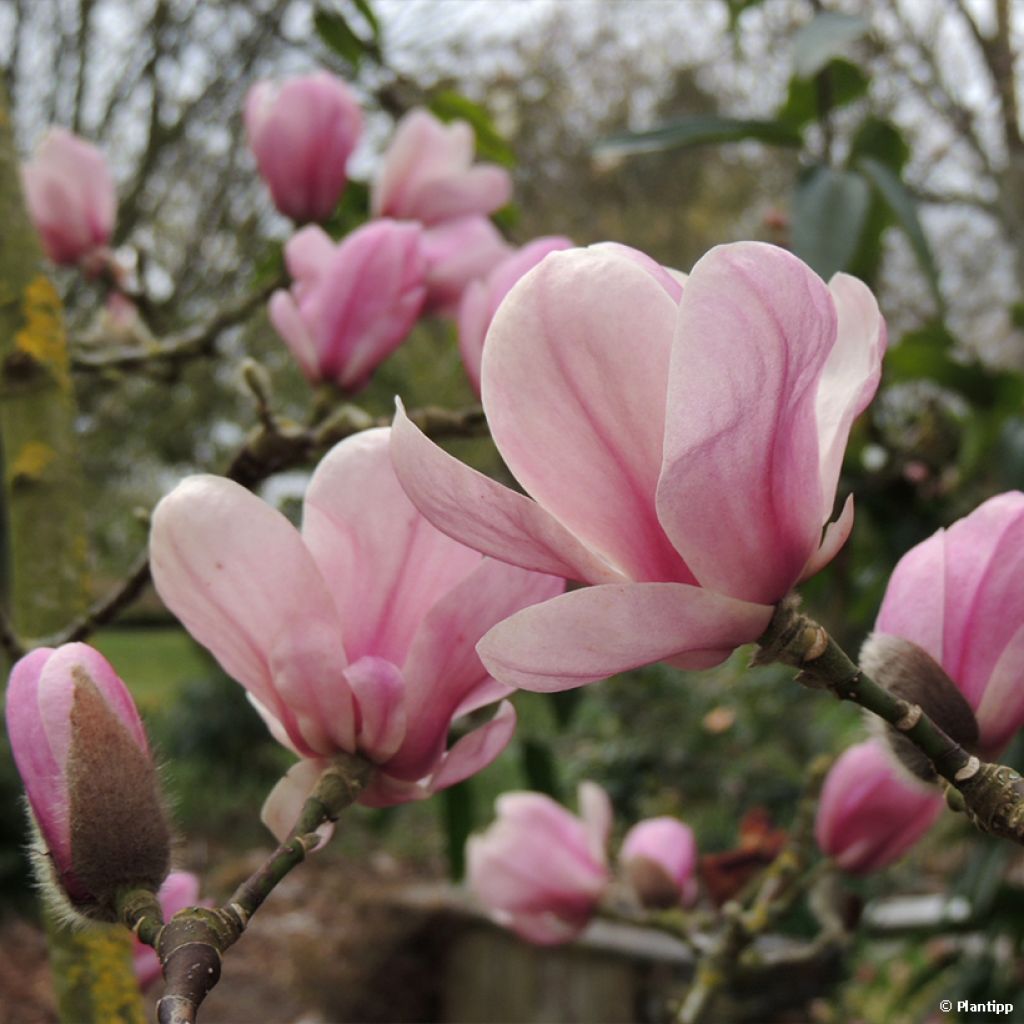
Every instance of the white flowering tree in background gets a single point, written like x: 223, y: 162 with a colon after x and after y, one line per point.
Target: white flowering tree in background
x: 249, y: 239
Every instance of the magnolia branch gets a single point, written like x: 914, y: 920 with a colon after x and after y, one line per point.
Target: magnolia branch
x: 991, y: 795
x: 191, y: 943
x: 192, y: 343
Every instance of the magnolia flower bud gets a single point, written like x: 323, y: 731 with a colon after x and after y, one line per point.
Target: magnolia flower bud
x: 91, y: 783
x: 910, y: 672
x: 660, y: 859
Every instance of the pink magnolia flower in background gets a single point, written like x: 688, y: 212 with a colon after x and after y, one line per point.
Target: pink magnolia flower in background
x: 351, y: 305
x: 356, y: 635
x: 70, y: 195
x: 428, y: 173
x: 83, y: 757
x: 959, y: 596
x: 659, y: 856
x: 680, y: 446
x: 872, y: 810
x: 483, y: 297
x: 302, y: 133
x: 457, y: 252
x: 180, y: 890
x: 539, y: 869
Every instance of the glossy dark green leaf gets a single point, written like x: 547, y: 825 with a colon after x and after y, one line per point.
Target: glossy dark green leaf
x: 826, y: 36
x: 829, y: 213
x: 337, y: 34
x: 700, y: 130
x: 901, y: 203
x: 449, y: 105
x: 881, y: 140
x: 841, y: 84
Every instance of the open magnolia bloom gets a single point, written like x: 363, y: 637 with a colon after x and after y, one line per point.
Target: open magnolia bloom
x: 356, y: 635
x: 681, y: 444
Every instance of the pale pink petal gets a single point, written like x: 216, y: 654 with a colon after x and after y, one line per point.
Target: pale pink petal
x: 476, y: 750
x: 283, y: 806
x: 480, y: 189
x: 489, y: 691
x: 237, y: 575
x: 836, y: 535
x: 574, y: 377
x: 307, y: 254
x: 457, y: 252
x: 420, y: 146
x: 670, y: 845
x: 288, y: 322
x: 386, y: 565
x: 443, y: 668
x: 483, y: 514
x: 850, y: 377
x: 379, y: 690
x: 1000, y: 712
x: 594, y: 633
x: 671, y: 280
x: 740, y: 492
x: 385, y: 791
x: 274, y: 726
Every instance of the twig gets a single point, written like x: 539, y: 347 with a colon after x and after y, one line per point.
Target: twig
x: 194, y: 342
x: 191, y: 943
x: 991, y: 795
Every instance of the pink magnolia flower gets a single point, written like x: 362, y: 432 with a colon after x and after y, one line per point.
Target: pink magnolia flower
x: 70, y: 195
x: 660, y: 858
x: 482, y: 299
x: 180, y: 890
x: 457, y: 252
x: 428, y: 173
x: 356, y: 635
x: 302, y: 133
x: 82, y: 754
x: 680, y: 446
x: 872, y: 811
x: 959, y: 596
x: 351, y: 305
x: 539, y: 869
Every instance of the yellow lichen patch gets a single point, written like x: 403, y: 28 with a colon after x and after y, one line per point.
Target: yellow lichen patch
x: 42, y: 338
x: 114, y: 991
x: 31, y: 462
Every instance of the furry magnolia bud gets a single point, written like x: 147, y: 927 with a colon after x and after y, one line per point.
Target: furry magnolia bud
x: 92, y: 787
x: 910, y: 672
x: 659, y: 856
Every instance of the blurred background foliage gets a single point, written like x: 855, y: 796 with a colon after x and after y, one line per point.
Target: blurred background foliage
x: 882, y: 140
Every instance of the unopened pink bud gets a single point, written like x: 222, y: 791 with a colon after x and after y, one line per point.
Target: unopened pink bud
x: 428, y: 173
x: 70, y: 195
x: 351, y: 304
x: 482, y: 298
x: 82, y: 754
x: 660, y: 858
x: 539, y: 869
x: 302, y: 133
x: 871, y: 811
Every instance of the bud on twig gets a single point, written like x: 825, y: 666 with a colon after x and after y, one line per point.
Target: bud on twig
x: 91, y: 783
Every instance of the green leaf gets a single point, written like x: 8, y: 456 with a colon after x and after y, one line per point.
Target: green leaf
x: 845, y: 82
x: 365, y: 8
x: 826, y: 36
x: 450, y: 105
x: 458, y: 812
x: 896, y: 196
x: 336, y: 33
x: 829, y: 212
x: 540, y: 768
x: 352, y: 211
x: 881, y: 140
x: 700, y: 131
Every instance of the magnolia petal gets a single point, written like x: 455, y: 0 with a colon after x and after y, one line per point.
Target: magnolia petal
x: 574, y: 377
x: 596, y: 812
x: 836, y: 535
x: 476, y: 750
x: 283, y: 806
x: 443, y: 667
x: 483, y: 514
x: 288, y: 323
x: 1001, y: 711
x: 379, y: 690
x: 850, y: 377
x: 739, y: 493
x: 591, y: 634
x: 237, y: 575
x: 385, y: 565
